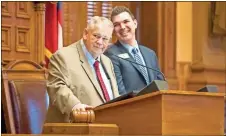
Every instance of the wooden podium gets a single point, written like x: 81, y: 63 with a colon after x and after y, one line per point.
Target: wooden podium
x: 166, y: 113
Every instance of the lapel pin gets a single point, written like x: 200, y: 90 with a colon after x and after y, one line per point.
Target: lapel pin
x: 124, y: 55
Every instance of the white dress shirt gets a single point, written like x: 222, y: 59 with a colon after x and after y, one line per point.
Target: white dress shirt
x: 91, y: 62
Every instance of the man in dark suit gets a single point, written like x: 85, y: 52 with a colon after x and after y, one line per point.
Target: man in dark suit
x: 130, y: 76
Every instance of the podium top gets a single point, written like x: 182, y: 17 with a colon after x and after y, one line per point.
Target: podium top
x: 162, y: 92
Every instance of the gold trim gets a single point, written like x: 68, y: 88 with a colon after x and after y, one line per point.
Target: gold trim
x: 48, y: 53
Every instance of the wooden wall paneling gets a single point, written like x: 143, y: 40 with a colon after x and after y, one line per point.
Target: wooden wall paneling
x: 166, y: 49
x: 24, y: 28
x: 8, y: 31
x: 198, y: 22
x: 22, y: 10
x: 6, y: 9
x: 6, y: 37
x: 23, y: 39
x: 99, y: 9
x: 66, y: 24
x: 183, y: 74
x: 75, y: 14
x: 169, y: 42
x: 158, y: 32
x: 202, y: 75
x: 160, y: 43
x: 40, y: 31
x: 135, y: 8
x: 22, y: 31
x: 149, y: 25
x: 208, y: 58
x: 123, y: 3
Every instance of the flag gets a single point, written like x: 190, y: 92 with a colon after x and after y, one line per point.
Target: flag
x: 53, y: 28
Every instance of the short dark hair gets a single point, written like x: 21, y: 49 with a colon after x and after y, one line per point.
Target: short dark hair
x: 119, y: 9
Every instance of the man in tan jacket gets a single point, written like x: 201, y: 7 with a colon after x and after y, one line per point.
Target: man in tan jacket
x: 80, y: 76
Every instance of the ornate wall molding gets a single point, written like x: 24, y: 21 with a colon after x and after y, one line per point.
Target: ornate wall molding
x: 6, y: 37
x: 23, y: 40
x: 166, y: 47
x: 5, y: 9
x: 66, y: 24
x: 167, y: 50
x: 183, y: 74
x: 22, y: 10
x: 202, y: 75
x: 193, y: 77
x: 40, y: 30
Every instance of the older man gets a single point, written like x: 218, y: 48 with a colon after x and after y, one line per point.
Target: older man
x: 80, y: 76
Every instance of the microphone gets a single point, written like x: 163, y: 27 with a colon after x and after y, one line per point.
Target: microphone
x: 142, y: 66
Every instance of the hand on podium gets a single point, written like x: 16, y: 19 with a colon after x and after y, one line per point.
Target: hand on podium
x: 82, y: 107
x: 82, y: 113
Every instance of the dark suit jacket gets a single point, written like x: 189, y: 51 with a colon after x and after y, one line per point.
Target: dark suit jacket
x: 128, y: 75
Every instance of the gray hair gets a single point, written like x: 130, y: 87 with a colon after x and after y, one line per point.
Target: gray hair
x: 99, y: 21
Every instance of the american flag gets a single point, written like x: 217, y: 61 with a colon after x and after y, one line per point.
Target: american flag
x: 53, y: 28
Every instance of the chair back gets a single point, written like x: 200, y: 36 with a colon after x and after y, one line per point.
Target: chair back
x: 24, y: 97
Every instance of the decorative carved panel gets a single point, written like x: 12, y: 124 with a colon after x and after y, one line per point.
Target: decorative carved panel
x: 22, y: 39
x: 75, y: 18
x: 22, y: 10
x: 168, y: 38
x: 202, y: 75
x: 66, y: 24
x: 22, y: 32
x: 6, y: 37
x: 5, y: 9
x: 40, y: 30
x: 183, y: 74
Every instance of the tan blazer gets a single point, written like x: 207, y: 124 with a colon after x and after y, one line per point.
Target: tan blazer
x: 71, y: 81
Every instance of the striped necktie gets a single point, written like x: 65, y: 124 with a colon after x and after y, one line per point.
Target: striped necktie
x: 142, y: 68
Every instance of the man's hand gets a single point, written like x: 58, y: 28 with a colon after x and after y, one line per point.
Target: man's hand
x: 81, y: 107
x: 82, y: 113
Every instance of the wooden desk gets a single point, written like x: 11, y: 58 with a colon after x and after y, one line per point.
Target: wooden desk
x: 166, y: 113
x: 80, y: 129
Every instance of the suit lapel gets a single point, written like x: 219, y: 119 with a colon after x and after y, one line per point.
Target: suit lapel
x: 85, y: 65
x: 124, y: 50
x: 147, y: 61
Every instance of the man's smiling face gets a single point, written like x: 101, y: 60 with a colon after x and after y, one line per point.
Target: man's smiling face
x: 124, y: 27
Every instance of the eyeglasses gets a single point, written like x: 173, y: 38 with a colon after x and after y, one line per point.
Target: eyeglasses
x: 98, y: 36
